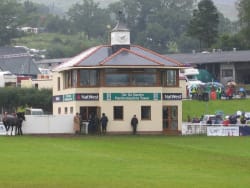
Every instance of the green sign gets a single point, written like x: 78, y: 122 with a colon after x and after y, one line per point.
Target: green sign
x: 131, y: 96
x: 68, y: 97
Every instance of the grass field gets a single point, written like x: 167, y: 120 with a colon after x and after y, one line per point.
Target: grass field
x: 198, y: 108
x: 124, y: 161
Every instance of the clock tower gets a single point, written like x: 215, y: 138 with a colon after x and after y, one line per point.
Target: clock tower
x: 120, y: 36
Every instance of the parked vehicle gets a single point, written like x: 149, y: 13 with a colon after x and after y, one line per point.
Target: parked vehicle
x: 208, y: 119
x: 34, y: 111
x: 247, y: 115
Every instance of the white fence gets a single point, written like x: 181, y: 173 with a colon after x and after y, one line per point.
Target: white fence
x: 48, y: 124
x: 193, y: 129
x: 210, y: 130
x: 63, y: 124
x: 223, y: 131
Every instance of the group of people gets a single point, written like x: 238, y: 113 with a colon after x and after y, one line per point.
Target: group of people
x: 95, y: 125
x: 202, y: 92
x: 99, y: 126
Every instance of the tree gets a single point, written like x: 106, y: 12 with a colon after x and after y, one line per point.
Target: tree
x: 89, y: 18
x: 55, y: 24
x: 8, y: 15
x: 155, y: 24
x: 204, y: 23
x: 244, y: 17
x: 33, y: 15
x: 14, y: 98
x: 226, y: 26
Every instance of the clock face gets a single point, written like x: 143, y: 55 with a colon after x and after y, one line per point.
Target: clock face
x: 120, y: 38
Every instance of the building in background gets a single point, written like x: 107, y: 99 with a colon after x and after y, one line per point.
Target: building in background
x: 17, y: 61
x: 121, y: 80
x: 225, y: 66
x: 18, y: 69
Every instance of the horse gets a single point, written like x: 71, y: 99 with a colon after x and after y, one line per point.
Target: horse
x: 11, y: 121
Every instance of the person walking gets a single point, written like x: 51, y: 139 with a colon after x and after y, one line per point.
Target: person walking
x: 104, y: 122
x: 77, y: 126
x: 134, y: 123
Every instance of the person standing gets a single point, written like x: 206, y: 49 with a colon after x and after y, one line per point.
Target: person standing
x: 77, y: 123
x: 91, y: 125
x: 104, y: 122
x: 97, y: 125
x: 134, y: 123
x: 242, y: 118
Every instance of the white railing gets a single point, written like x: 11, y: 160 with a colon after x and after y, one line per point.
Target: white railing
x: 210, y: 130
x: 193, y: 128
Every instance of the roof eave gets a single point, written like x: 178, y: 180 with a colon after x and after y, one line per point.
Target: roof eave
x: 118, y: 66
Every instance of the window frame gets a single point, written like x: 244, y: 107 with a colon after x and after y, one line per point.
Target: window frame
x: 131, y: 75
x: 89, y: 78
x: 71, y: 111
x: 58, y: 83
x: 147, y: 117
x: 175, y: 78
x: 59, y: 110
x: 115, y: 108
x: 227, y: 73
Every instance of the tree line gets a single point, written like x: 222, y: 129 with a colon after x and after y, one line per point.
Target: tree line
x: 17, y: 99
x: 165, y: 26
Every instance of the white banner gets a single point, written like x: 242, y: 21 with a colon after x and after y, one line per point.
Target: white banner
x: 193, y: 128
x: 2, y: 129
x: 222, y: 131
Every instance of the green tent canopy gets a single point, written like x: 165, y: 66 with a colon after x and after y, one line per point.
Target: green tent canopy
x: 205, y: 76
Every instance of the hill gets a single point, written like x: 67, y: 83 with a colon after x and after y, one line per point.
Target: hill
x: 227, y: 7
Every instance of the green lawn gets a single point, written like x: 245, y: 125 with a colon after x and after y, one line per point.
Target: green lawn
x: 198, y: 108
x: 124, y: 161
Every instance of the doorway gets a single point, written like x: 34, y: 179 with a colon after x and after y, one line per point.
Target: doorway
x: 170, y: 119
x: 87, y: 111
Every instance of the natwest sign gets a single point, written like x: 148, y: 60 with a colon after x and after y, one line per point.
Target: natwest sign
x: 87, y: 96
x: 171, y: 96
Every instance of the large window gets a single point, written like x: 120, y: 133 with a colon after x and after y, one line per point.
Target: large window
x: 70, y: 79
x: 170, y: 78
x: 74, y: 78
x: 89, y: 78
x: 146, y: 112
x: 130, y: 77
x: 227, y: 73
x: 118, y: 112
x: 113, y: 79
x: 143, y: 79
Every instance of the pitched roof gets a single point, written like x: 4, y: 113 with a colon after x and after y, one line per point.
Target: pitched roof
x: 213, y: 57
x: 100, y: 56
x: 11, y: 50
x: 17, y: 61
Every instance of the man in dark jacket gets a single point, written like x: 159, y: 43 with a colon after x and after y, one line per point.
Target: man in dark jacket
x: 134, y: 123
x: 104, y: 122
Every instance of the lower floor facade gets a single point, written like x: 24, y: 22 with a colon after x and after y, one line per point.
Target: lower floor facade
x: 158, y: 110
